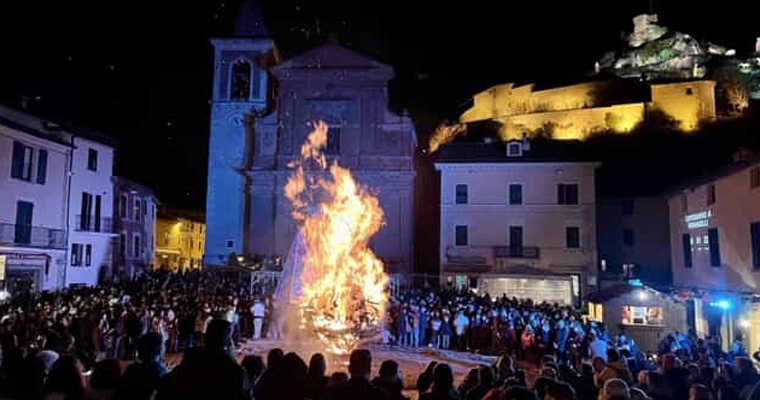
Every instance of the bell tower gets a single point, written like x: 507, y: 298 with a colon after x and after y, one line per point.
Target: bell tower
x: 242, y: 91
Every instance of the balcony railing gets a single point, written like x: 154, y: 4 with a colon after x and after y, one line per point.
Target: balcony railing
x: 32, y: 236
x: 527, y: 252
x: 88, y: 223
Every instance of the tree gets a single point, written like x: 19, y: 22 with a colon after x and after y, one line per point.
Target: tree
x: 736, y: 97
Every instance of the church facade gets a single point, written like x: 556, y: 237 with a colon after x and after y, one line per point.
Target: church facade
x: 262, y: 111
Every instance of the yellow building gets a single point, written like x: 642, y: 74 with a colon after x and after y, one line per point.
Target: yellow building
x: 180, y: 241
x: 579, y: 110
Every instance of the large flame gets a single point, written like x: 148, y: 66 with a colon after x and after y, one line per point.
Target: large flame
x: 343, y: 281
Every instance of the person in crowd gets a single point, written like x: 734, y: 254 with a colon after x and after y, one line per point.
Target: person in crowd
x: 389, y: 379
x: 210, y: 372
x: 359, y: 385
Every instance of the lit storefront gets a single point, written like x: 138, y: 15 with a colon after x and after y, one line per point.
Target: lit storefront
x: 522, y: 283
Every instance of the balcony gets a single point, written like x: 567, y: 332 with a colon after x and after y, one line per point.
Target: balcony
x: 523, y: 252
x: 32, y: 236
x: 88, y: 223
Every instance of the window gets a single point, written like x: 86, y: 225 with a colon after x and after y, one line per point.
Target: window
x: 123, y: 204
x: 627, y: 207
x: 135, y: 245
x: 754, y: 177
x: 42, y: 157
x: 21, y: 164
x: 92, y: 160
x: 23, y: 228
x: 461, y: 194
x: 136, y: 210
x: 461, y: 238
x: 710, y: 194
x: 572, y: 237
x: 145, y: 208
x: 85, y: 217
x: 332, y: 147
x: 714, y: 247
x: 514, y: 149
x: 689, y: 91
x: 515, y: 193
x: 241, y: 81
x: 686, y: 247
x: 567, y: 194
x: 76, y: 254
x: 230, y: 244
x: 87, y: 255
x: 638, y: 315
x: 754, y: 230
x: 628, y: 238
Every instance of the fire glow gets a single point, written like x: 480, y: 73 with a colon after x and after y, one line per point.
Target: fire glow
x: 343, y: 282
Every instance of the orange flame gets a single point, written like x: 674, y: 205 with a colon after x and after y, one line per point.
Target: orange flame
x: 343, y: 281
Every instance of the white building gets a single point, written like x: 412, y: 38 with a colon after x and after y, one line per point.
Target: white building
x: 715, y: 242
x: 90, y: 211
x: 57, y: 201
x: 33, y: 183
x: 516, y: 219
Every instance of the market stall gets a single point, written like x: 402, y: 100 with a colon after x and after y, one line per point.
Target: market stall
x: 640, y: 312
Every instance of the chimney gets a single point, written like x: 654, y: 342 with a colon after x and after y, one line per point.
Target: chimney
x: 525, y: 141
x: 23, y: 102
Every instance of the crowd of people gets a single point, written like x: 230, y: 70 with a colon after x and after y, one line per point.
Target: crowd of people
x: 113, y: 342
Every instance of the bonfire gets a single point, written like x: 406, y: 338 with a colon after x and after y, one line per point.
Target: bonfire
x: 343, y: 282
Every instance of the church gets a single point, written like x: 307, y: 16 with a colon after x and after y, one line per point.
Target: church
x: 263, y: 108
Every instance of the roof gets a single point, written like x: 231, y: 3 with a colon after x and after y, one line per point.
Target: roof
x: 34, y: 132
x: 332, y: 55
x: 719, y: 173
x: 49, y: 127
x: 122, y: 181
x: 614, y: 291
x: 541, y: 151
x: 250, y: 21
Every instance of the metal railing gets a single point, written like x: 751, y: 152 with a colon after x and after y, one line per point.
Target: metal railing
x: 32, y: 236
x: 88, y: 223
x: 528, y: 252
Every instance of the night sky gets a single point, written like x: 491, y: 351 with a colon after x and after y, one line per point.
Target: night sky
x: 141, y: 71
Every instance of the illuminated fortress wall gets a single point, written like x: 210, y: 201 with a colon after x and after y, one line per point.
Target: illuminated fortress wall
x: 686, y: 102
x: 577, y: 111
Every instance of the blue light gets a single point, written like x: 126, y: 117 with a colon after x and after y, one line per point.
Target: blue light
x: 722, y: 304
x: 636, y: 282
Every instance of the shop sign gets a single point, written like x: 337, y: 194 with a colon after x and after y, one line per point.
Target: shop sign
x: 698, y: 220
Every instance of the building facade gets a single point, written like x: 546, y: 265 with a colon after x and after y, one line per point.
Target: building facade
x: 56, y: 171
x: 715, y: 247
x: 634, y: 239
x: 256, y: 133
x: 516, y: 219
x: 34, y: 181
x: 180, y: 241
x: 90, y: 215
x: 135, y: 209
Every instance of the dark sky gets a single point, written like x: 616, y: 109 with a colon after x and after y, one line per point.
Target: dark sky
x: 140, y: 71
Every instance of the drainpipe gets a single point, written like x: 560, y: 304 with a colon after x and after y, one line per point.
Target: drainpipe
x: 69, y: 174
